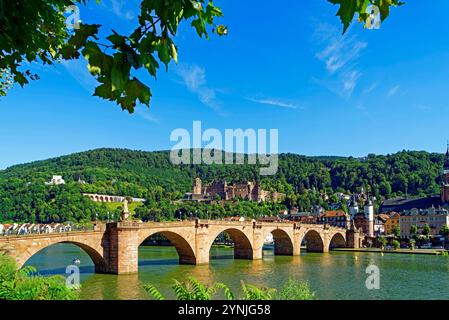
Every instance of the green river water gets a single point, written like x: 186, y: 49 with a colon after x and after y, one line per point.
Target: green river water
x: 335, y: 275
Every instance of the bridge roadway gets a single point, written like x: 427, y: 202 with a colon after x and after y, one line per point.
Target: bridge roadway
x: 113, y: 247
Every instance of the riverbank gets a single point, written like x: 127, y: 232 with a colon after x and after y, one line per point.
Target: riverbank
x: 432, y: 252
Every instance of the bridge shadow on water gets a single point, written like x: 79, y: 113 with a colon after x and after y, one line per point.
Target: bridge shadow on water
x: 56, y: 271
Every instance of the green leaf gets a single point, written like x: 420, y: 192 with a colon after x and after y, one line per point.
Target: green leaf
x: 120, y: 72
x: 137, y: 90
x: 346, y: 11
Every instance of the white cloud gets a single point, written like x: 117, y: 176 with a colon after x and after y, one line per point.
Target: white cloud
x: 393, y: 91
x: 349, y: 80
x: 275, y: 102
x: 145, y: 114
x: 340, y: 51
x: 118, y: 7
x: 339, y: 55
x: 194, y: 78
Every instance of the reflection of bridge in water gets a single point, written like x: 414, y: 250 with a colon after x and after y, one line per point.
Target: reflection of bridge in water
x: 113, y: 247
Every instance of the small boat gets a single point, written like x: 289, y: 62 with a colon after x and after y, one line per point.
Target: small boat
x: 76, y: 261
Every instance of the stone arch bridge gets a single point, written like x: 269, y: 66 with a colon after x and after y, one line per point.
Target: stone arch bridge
x: 113, y: 247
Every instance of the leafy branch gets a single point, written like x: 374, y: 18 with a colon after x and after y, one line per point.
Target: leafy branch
x: 349, y: 8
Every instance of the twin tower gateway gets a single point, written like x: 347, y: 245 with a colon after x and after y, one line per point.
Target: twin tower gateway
x: 367, y: 216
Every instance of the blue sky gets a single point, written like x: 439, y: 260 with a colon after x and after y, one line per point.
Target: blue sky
x: 285, y: 67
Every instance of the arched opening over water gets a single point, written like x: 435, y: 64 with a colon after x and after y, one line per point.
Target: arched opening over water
x: 166, y: 239
x: 56, y: 257
x: 313, y: 241
x: 235, y: 238
x: 280, y: 242
x: 337, y: 241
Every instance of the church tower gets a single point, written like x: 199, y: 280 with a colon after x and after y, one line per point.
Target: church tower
x: 353, y: 208
x: 369, y: 216
x: 445, y: 178
x: 197, y: 188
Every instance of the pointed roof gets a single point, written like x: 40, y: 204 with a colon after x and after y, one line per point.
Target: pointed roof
x: 446, y: 159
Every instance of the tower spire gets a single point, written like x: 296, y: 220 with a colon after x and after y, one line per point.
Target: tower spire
x: 446, y: 159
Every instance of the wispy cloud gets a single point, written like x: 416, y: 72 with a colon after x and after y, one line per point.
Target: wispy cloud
x: 339, y: 55
x: 194, y: 78
x: 145, y: 114
x: 393, y: 91
x: 78, y: 70
x: 118, y: 7
x: 370, y: 89
x: 340, y: 51
x: 274, y: 102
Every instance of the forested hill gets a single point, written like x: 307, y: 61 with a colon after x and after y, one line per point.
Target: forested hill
x: 151, y: 175
x: 416, y: 173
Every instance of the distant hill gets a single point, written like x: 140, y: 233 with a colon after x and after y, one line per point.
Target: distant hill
x: 152, y: 175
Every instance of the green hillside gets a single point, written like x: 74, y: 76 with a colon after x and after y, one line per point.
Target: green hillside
x: 24, y: 195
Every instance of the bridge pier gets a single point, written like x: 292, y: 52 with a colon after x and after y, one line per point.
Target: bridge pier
x: 202, y: 245
x: 122, y: 254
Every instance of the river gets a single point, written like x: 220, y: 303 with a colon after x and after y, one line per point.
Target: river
x: 335, y: 275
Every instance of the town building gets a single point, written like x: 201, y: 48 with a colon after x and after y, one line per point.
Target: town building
x: 379, y: 224
x: 335, y: 218
x: 391, y: 222
x: 302, y: 217
x: 56, y: 180
x: 435, y: 218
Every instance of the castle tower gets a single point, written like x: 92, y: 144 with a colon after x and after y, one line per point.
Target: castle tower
x: 353, y: 208
x: 445, y: 178
x: 197, y: 188
x: 369, y: 216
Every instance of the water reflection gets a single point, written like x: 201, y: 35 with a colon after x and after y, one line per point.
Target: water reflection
x: 335, y: 275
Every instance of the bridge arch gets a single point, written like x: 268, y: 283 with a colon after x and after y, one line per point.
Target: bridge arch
x: 338, y: 240
x: 283, y: 242
x: 185, y: 251
x: 313, y: 240
x: 97, y: 258
x: 243, y: 249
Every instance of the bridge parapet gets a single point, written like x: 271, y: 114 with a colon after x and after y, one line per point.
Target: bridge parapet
x: 168, y: 224
x: 225, y: 223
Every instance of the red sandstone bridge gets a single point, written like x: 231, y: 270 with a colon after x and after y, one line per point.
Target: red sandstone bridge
x: 113, y: 247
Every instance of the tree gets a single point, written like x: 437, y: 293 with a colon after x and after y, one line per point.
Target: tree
x: 382, y: 242
x: 426, y: 230
x: 396, y: 244
x: 413, y: 230
x: 412, y: 244
x: 397, y: 231
x: 35, y: 31
x: 444, y: 231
